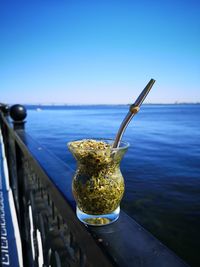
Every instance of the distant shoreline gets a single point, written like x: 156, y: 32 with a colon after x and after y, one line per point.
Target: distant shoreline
x: 71, y: 105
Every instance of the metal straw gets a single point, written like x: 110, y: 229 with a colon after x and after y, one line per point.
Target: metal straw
x: 134, y: 108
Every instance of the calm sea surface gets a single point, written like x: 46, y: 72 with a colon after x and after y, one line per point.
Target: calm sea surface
x: 161, y: 167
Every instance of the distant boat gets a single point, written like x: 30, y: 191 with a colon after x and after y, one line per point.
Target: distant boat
x: 38, y: 109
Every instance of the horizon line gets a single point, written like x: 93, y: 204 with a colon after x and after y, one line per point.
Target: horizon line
x: 102, y: 104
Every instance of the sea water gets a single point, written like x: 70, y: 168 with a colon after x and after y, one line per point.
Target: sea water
x: 161, y: 168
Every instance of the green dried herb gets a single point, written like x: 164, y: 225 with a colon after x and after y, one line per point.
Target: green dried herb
x: 97, y: 221
x: 98, y: 185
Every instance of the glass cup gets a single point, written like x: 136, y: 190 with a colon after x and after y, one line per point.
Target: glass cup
x: 98, y: 184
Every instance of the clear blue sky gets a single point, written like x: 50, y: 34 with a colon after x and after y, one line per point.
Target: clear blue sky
x: 99, y: 51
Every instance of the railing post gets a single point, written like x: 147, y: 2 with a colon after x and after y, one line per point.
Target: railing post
x: 18, y: 114
x: 4, y: 108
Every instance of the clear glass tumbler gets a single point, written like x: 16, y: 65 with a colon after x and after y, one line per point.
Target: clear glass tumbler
x: 98, y: 184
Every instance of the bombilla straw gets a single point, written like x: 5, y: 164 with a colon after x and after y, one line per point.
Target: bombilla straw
x: 134, y: 108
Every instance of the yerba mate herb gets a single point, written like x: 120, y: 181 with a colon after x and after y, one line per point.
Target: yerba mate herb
x: 98, y: 185
x: 97, y: 221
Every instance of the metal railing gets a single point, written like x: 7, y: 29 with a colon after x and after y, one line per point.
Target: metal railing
x: 51, y: 234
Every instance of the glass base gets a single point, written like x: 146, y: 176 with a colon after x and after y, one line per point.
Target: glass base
x: 98, y: 220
